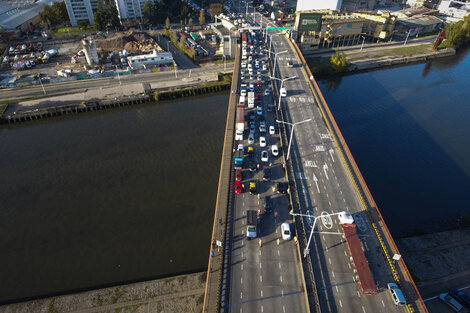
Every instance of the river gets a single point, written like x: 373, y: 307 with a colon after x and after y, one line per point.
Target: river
x: 105, y: 197
x: 409, y: 131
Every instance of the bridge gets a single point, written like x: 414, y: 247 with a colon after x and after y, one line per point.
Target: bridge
x: 269, y: 274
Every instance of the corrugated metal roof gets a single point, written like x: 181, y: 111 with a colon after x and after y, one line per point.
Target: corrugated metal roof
x: 15, y: 17
x: 4, y: 7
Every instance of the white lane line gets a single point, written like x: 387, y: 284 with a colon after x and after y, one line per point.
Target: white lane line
x: 345, y: 253
x: 278, y: 253
x: 358, y: 294
x: 340, y: 192
x: 241, y: 310
x: 283, y: 309
x: 340, y: 304
x: 281, y: 278
x: 241, y: 280
x: 242, y: 267
x: 349, y: 265
x: 336, y: 288
x: 333, y: 273
x: 242, y: 253
x: 363, y: 309
x: 329, y: 261
x: 324, y: 237
x: 327, y: 196
x: 282, y: 292
x: 241, y: 295
x: 329, y: 202
x: 279, y: 265
x: 259, y: 264
x: 327, y: 249
x: 260, y: 278
x: 261, y: 293
x: 262, y: 309
x: 383, y: 303
x: 259, y: 252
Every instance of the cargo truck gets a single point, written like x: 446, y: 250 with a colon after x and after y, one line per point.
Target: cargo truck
x: 252, y: 224
x: 366, y: 281
x: 240, y: 124
x: 251, y: 99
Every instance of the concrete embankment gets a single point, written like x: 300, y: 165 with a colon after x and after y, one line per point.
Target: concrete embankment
x: 183, y: 293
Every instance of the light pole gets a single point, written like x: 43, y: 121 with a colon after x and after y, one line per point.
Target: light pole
x: 225, y: 61
x: 391, y: 37
x: 407, y: 35
x: 307, y: 250
x: 40, y: 81
x: 275, y: 59
x: 119, y: 77
x: 271, y: 39
x: 363, y: 39
x: 282, y: 83
x: 292, y: 133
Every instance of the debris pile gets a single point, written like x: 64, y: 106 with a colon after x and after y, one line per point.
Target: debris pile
x: 133, y: 41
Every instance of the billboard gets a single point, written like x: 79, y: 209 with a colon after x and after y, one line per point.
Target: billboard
x: 310, y: 21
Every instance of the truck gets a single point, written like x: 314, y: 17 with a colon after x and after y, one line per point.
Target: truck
x: 240, y: 122
x: 238, y: 159
x: 251, y: 99
x: 244, y: 39
x: 251, y: 224
x: 366, y: 281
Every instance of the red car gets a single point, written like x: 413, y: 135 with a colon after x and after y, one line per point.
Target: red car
x: 238, y: 187
x: 258, y: 96
x: 238, y: 175
x: 259, y: 83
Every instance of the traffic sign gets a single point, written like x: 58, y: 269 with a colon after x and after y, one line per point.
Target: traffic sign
x: 275, y: 28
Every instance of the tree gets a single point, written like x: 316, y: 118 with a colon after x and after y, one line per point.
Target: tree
x: 54, y: 15
x: 148, y: 10
x: 182, y: 44
x: 100, y: 17
x: 167, y: 22
x: 338, y: 62
x: 114, y: 16
x: 60, y: 12
x: 190, y: 22
x: 202, y: 18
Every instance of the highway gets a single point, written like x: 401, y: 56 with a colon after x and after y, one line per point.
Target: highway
x: 264, y: 278
x: 324, y: 188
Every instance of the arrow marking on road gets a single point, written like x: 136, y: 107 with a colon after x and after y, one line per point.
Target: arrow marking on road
x: 325, y: 168
x: 315, y: 179
x: 331, y: 154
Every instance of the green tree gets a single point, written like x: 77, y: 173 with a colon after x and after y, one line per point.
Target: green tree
x: 167, y: 22
x: 190, y: 22
x: 182, y: 45
x: 47, y: 16
x: 458, y: 34
x: 60, y: 12
x: 202, y: 18
x: 113, y: 16
x: 338, y: 62
x: 100, y: 17
x: 148, y: 10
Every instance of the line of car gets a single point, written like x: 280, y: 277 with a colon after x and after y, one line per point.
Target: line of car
x: 452, y: 298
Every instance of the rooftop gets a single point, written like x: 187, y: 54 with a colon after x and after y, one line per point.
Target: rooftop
x: 14, y: 17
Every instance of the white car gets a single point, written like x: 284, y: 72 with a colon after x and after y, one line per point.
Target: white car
x: 259, y: 110
x: 251, y: 138
x: 267, y: 92
x: 272, y: 130
x: 264, y: 156
x: 285, y: 230
x: 275, y: 150
x: 265, y: 67
x: 243, y: 64
x: 240, y: 147
x: 283, y: 92
x: 262, y: 141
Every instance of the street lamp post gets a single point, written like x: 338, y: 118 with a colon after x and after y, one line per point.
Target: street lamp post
x: 363, y: 39
x: 407, y: 35
x: 282, y: 83
x: 275, y: 59
x: 271, y: 39
x: 225, y: 61
x: 119, y: 77
x: 40, y: 81
x: 292, y: 133
x: 307, y: 250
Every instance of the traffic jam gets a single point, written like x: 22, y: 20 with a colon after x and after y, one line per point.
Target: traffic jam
x: 256, y: 133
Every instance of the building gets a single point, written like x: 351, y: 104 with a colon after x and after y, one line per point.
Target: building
x: 17, y: 3
x: 91, y: 54
x: 377, y: 26
x: 343, y: 5
x: 327, y: 28
x: 150, y: 60
x: 14, y: 21
x: 81, y: 10
x: 453, y: 11
x: 417, y: 25
x: 128, y: 9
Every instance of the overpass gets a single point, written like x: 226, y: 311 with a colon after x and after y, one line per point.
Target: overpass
x: 323, y: 181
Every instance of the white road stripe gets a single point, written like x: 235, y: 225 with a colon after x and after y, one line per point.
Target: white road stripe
x: 383, y: 303
x: 363, y: 309
x: 260, y: 278
x: 241, y: 280
x: 333, y: 273
x: 281, y: 278
x: 242, y: 267
x: 358, y: 294
x: 261, y: 293
x: 241, y: 295
x: 284, y: 309
x: 329, y: 260
x: 336, y: 288
x: 279, y: 265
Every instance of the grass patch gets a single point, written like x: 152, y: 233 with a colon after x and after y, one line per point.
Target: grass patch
x: 51, y: 308
x: 169, y: 280
x: 222, y: 61
x: 99, y: 301
x: 117, y: 295
x: 182, y: 279
x: 400, y: 51
x: 73, y: 30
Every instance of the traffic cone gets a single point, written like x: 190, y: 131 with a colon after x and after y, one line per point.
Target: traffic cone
x: 278, y: 241
x: 260, y: 242
x: 295, y: 239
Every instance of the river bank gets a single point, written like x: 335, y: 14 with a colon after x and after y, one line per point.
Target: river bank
x: 183, y: 293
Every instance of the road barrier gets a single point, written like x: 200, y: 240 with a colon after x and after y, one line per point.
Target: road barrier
x: 361, y: 188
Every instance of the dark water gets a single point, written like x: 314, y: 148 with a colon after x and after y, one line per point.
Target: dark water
x: 108, y: 197
x: 409, y: 131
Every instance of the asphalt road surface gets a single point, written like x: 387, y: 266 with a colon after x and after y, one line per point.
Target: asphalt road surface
x: 324, y: 190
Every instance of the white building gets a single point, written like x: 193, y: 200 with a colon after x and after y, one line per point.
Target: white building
x: 130, y: 8
x: 150, y: 60
x: 80, y: 10
x: 304, y: 5
x: 454, y: 10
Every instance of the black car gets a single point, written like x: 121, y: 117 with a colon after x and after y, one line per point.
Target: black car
x: 461, y: 296
x: 267, y: 174
x: 267, y: 205
x: 282, y: 187
x: 251, y: 164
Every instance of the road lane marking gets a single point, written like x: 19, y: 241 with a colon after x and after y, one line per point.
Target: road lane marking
x: 329, y: 261
x: 278, y: 254
x: 259, y: 252
x: 241, y: 310
x: 340, y: 304
x: 241, y: 295
x: 242, y: 267
x: 349, y: 265
x: 336, y: 288
x: 315, y: 179
x: 333, y: 273
x: 329, y: 203
x: 261, y: 293
x: 260, y: 278
x: 284, y: 309
x: 281, y: 278
x: 242, y: 253
x: 331, y: 154
x: 259, y: 264
x: 345, y: 253
x: 262, y: 309
x: 363, y: 309
x: 323, y: 237
x: 325, y: 168
x: 383, y: 303
x: 279, y: 265
x: 358, y: 294
x: 241, y: 280
x: 282, y: 292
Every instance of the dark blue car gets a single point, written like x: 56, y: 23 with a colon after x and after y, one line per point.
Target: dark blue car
x: 461, y: 296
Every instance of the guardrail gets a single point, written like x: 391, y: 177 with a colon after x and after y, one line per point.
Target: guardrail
x: 360, y: 186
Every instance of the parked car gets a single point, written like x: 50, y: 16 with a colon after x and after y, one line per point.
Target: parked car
x: 272, y: 130
x: 267, y: 205
x: 267, y: 174
x: 285, y: 231
x: 262, y: 141
x: 460, y: 296
x: 259, y: 110
x: 282, y: 187
x: 264, y: 156
x: 251, y: 138
x: 267, y: 92
x: 451, y: 302
x: 238, y: 175
x: 252, y: 187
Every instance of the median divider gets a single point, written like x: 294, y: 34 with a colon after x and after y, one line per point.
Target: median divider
x: 375, y: 217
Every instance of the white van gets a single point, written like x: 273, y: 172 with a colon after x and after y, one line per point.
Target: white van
x: 397, y: 296
x: 283, y: 92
